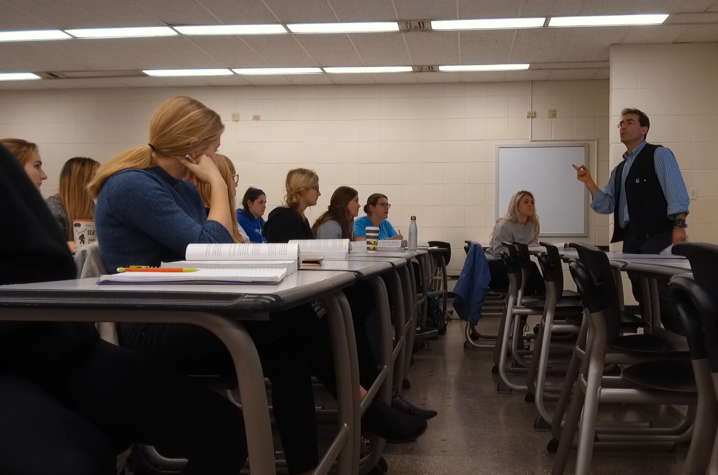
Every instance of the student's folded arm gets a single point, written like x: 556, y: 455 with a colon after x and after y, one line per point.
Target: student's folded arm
x: 138, y: 200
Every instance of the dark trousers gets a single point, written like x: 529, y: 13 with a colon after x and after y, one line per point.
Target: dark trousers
x: 72, y: 416
x: 634, y: 243
x: 293, y: 346
x: 500, y: 278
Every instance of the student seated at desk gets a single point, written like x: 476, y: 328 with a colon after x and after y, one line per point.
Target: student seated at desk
x: 338, y: 221
x: 377, y: 214
x: 254, y: 204
x: 73, y: 200
x: 521, y: 224
x: 229, y: 174
x: 289, y: 222
x: 70, y: 402
x: 147, y: 213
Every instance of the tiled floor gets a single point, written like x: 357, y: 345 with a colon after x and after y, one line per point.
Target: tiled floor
x: 479, y: 431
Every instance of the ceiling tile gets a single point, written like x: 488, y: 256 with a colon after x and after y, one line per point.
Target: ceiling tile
x: 229, y: 51
x: 279, y: 50
x: 111, y: 13
x: 304, y: 79
x: 699, y: 34
x: 353, y: 79
x: 305, y: 11
x: 382, y: 49
x: 572, y: 65
x: 428, y: 48
x: 365, y: 10
x: 538, y: 46
x: 233, y: 80
x: 590, y: 44
x: 502, y: 9
x: 396, y: 78
x: 10, y: 63
x: 13, y: 18
x: 141, y: 81
x: 653, y: 34
x: 56, y: 13
x: 423, y: 10
x: 613, y: 7
x: 184, y: 82
x: 572, y: 74
x: 672, y: 6
x: 42, y: 57
x: 713, y: 8
x: 485, y: 47
x: 179, y: 12
x: 555, y: 8
x: 486, y: 76
x: 338, y: 51
x: 233, y: 12
x: 527, y: 75
x: 267, y: 80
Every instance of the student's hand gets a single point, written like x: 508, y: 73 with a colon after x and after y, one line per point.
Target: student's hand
x: 204, y: 171
x: 679, y: 234
x: 582, y: 173
x: 71, y: 245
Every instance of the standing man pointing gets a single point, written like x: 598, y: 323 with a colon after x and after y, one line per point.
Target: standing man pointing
x: 649, y: 201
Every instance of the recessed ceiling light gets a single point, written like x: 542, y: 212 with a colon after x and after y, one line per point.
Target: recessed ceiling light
x: 369, y: 27
x: 231, y: 29
x: 276, y: 71
x: 18, y: 76
x: 34, y: 35
x: 607, y: 20
x: 187, y: 72
x: 483, y: 67
x: 488, y: 24
x: 369, y: 69
x: 133, y: 32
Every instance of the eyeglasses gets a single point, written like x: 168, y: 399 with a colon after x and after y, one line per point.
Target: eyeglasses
x: 235, y: 177
x: 316, y: 187
x: 384, y: 205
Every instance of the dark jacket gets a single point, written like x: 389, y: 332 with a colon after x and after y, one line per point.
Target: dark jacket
x: 470, y: 289
x: 285, y: 224
x: 33, y: 249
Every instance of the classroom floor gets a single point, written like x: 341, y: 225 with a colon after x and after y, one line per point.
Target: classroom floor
x: 479, y: 431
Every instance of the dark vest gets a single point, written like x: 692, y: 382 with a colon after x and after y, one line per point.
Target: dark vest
x: 647, y: 205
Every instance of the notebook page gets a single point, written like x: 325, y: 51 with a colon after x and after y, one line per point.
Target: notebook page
x: 203, y: 276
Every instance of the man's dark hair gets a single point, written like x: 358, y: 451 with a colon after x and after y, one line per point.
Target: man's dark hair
x: 642, y: 118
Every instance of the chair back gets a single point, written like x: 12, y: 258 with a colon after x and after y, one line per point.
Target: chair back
x: 695, y: 305
x: 551, y: 266
x: 443, y: 245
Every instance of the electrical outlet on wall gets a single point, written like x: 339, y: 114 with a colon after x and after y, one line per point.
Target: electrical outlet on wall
x: 552, y: 113
x: 531, y: 114
x: 256, y: 117
x: 693, y: 192
x: 235, y: 116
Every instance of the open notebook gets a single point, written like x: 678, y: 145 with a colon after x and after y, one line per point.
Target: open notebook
x: 202, y: 276
x: 240, y: 256
x: 329, y: 249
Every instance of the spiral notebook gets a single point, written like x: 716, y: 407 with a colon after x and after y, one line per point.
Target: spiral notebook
x: 202, y: 276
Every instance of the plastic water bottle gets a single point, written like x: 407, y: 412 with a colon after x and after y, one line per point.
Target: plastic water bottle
x: 413, y: 234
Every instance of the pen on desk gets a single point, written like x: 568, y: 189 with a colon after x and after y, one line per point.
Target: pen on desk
x: 155, y: 269
x: 189, y: 157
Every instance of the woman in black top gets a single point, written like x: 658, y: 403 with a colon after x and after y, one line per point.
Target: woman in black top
x: 70, y: 402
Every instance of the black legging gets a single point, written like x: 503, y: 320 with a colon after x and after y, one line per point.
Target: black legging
x: 500, y: 278
x: 293, y: 346
x: 72, y: 416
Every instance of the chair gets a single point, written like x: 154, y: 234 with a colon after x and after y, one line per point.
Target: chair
x: 439, y: 280
x: 88, y: 263
x: 605, y: 345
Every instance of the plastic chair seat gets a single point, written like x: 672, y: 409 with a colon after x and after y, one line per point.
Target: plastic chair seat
x: 673, y: 376
x: 628, y: 318
x: 659, y: 342
x: 561, y: 305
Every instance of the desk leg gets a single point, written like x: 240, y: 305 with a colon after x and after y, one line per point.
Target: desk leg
x: 397, y: 293
x: 346, y: 368
x: 411, y: 322
x: 646, y: 306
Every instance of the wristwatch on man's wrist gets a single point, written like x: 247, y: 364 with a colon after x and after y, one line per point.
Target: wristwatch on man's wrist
x: 680, y: 223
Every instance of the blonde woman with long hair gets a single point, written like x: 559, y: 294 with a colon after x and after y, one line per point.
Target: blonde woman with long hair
x: 28, y: 155
x: 289, y: 222
x: 231, y: 178
x: 73, y: 200
x: 521, y: 224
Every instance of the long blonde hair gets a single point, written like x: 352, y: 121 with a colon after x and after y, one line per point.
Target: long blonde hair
x: 180, y: 125
x: 227, y: 170
x: 298, y: 181
x: 512, y: 214
x: 21, y: 149
x: 76, y: 199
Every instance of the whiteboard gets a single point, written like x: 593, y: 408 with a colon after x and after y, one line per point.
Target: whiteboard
x: 545, y: 170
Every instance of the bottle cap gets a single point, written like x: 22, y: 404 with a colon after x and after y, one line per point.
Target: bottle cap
x: 413, y: 218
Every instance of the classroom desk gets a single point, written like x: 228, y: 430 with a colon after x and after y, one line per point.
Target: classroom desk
x: 219, y: 309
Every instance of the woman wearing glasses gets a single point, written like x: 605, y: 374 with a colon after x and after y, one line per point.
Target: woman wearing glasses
x: 377, y: 214
x: 231, y: 178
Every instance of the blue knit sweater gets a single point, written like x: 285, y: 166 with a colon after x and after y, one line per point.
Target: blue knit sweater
x: 144, y: 217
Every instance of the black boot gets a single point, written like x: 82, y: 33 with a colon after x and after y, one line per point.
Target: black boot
x: 386, y: 422
x: 402, y: 405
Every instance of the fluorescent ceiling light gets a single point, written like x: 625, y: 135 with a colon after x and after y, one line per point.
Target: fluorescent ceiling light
x: 370, y: 69
x: 483, y: 67
x: 276, y: 71
x: 370, y: 27
x: 132, y: 32
x: 231, y: 29
x: 18, y: 76
x: 607, y: 20
x: 488, y: 24
x: 187, y: 72
x: 33, y: 35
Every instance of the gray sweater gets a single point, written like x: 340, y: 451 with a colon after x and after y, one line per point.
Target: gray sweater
x: 506, y: 231
x: 58, y: 212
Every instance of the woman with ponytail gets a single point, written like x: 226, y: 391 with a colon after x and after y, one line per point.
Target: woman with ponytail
x: 338, y: 221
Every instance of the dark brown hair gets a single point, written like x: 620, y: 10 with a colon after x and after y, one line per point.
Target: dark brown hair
x: 252, y: 194
x: 337, y: 211
x: 642, y: 118
x: 372, y: 201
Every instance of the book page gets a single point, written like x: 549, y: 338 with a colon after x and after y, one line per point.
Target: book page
x: 323, y: 245
x: 241, y: 252
x: 204, y: 276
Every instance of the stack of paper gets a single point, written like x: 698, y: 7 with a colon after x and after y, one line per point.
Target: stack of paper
x: 327, y: 249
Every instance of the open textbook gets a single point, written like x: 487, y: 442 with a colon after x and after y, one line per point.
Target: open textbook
x: 329, y: 249
x: 202, y: 276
